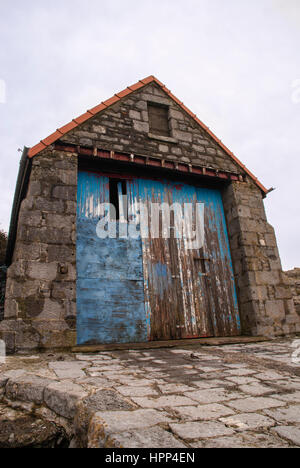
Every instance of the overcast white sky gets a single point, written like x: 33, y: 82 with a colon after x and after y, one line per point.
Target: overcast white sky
x: 235, y: 63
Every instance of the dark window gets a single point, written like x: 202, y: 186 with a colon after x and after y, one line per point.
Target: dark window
x: 158, y: 119
x: 117, y: 193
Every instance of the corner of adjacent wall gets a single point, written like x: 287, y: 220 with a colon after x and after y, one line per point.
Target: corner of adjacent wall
x: 264, y: 294
x: 40, y: 305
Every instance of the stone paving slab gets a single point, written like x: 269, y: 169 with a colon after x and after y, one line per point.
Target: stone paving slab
x: 119, y: 421
x: 243, y: 440
x: 69, y: 370
x: 136, y: 391
x: 235, y: 366
x: 154, y: 437
x: 174, y: 388
x: 288, y: 384
x: 134, y: 382
x: 246, y: 422
x: 105, y: 425
x: 290, y: 433
x: 241, y: 372
x: 255, y: 404
x: 242, y: 380
x: 285, y: 415
x: 288, y: 397
x: 213, y: 395
x: 269, y: 375
x: 203, y: 412
x: 200, y: 430
x: 206, y: 384
x: 256, y: 389
x: 164, y: 401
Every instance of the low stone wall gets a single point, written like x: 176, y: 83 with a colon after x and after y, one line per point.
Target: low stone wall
x: 67, y: 405
x: 294, y: 278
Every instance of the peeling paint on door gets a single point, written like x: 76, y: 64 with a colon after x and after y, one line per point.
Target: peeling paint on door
x: 147, y: 288
x: 110, y: 284
x: 190, y: 292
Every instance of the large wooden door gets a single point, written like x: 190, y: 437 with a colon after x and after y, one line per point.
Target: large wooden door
x: 143, y: 286
x: 189, y: 292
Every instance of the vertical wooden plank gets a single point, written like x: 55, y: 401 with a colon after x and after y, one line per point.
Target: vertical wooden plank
x: 196, y: 321
x: 220, y: 286
x: 162, y: 293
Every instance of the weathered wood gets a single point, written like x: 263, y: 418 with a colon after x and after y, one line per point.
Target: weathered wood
x: 187, y: 298
x: 86, y: 152
x: 110, y: 284
x: 172, y: 344
x: 155, y: 286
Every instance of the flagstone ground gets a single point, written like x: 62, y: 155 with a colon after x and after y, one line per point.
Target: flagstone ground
x: 245, y: 395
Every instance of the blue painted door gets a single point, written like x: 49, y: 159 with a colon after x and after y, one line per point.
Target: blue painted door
x: 135, y: 288
x: 110, y: 282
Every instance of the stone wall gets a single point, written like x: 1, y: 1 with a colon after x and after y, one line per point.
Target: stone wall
x: 265, y: 297
x: 40, y: 304
x: 125, y: 127
x: 294, y: 280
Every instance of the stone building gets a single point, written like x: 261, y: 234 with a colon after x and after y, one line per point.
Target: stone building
x: 67, y: 285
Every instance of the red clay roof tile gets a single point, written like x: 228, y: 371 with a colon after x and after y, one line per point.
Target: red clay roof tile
x: 175, y: 99
x: 51, y: 138
x: 136, y: 86
x: 36, y: 149
x: 123, y: 93
x: 67, y: 128
x: 98, y: 108
x: 84, y: 117
x: 111, y: 101
x: 146, y: 80
x: 158, y: 82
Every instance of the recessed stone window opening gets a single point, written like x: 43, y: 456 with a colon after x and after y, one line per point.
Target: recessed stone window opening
x: 117, y: 192
x: 159, y: 119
